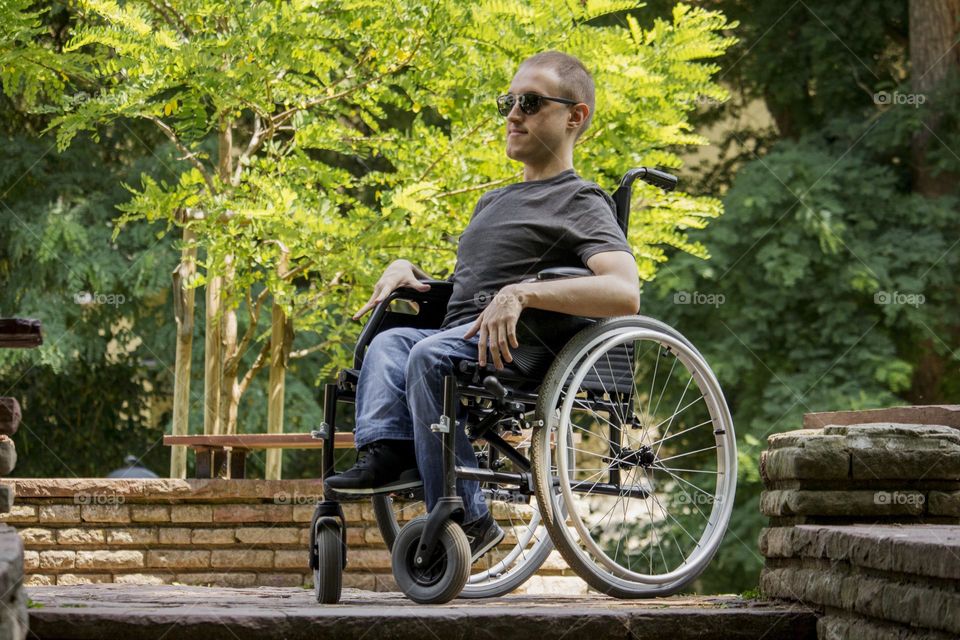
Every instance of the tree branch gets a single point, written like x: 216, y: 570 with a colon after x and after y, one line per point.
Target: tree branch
x: 262, y: 359
x: 187, y: 154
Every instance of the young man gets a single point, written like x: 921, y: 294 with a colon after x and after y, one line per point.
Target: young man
x: 553, y: 218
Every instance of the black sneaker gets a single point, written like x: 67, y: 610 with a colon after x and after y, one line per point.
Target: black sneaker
x: 383, y: 465
x: 484, y: 534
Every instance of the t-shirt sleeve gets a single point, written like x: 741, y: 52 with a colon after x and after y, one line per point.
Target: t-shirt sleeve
x: 593, y: 226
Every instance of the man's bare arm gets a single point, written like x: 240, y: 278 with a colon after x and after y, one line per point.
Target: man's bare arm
x: 613, y: 291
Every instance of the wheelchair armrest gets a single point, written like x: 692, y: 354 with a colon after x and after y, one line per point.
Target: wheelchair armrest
x: 563, y: 272
x: 556, y: 273
x: 432, y: 310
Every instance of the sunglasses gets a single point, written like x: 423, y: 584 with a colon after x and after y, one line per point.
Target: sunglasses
x: 530, y: 103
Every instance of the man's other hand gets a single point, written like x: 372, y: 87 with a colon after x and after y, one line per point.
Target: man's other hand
x: 400, y: 273
x: 497, y: 325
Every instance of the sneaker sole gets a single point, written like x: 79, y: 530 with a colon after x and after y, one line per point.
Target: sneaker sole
x: 387, y: 488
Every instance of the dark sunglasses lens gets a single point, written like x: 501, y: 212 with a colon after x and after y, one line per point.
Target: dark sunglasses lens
x: 505, y: 104
x: 530, y: 103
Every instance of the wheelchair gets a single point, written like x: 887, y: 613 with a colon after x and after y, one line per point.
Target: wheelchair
x: 608, y: 439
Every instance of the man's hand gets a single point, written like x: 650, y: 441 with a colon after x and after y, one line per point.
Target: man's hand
x: 497, y: 325
x: 400, y: 273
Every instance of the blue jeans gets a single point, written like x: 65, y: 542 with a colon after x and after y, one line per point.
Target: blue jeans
x: 400, y: 394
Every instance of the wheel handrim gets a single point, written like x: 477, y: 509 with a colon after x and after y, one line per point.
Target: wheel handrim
x: 712, y: 531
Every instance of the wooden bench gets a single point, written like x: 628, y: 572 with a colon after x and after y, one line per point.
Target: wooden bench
x: 225, y: 456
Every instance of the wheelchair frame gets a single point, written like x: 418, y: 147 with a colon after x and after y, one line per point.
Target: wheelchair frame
x: 478, y: 383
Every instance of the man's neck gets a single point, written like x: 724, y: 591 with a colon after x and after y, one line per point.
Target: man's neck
x: 548, y: 170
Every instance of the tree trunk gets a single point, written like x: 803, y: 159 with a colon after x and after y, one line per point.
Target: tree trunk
x: 229, y: 389
x: 212, y: 360
x: 933, y: 56
x: 279, y: 351
x: 933, y: 30
x: 183, y: 306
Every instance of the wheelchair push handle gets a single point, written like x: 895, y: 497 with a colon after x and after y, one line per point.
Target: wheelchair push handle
x: 656, y: 177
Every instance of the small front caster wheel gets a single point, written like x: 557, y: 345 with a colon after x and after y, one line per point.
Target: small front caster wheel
x: 443, y: 577
x: 328, y: 577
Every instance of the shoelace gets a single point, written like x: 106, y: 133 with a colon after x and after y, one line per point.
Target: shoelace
x: 363, y: 461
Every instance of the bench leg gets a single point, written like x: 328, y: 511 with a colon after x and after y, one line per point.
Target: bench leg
x: 238, y: 464
x: 204, y: 466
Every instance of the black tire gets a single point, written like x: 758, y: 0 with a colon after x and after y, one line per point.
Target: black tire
x: 479, y: 584
x: 446, y: 573
x: 328, y: 578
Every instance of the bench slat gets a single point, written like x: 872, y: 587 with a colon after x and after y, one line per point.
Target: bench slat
x: 260, y: 441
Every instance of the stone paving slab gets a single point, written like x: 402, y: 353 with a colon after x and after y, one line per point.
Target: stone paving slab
x: 180, y: 612
x: 943, y: 414
x: 923, y: 550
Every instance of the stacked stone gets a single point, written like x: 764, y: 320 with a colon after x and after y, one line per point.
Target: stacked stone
x: 864, y: 521
x: 234, y: 533
x: 880, y: 472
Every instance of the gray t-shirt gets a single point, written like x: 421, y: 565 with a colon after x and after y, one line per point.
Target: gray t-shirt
x: 517, y: 230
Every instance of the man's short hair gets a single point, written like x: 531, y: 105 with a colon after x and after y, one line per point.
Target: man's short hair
x: 576, y: 82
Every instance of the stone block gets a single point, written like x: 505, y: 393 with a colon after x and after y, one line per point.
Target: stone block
x: 19, y: 513
x: 284, y: 559
x: 139, y: 536
x: 36, y: 535
x: 810, y: 462
x: 78, y: 536
x: 369, y: 560
x: 945, y: 415
x: 60, y: 513
x: 57, y: 559
x: 213, y: 536
x: 191, y: 513
x: 253, y: 513
x: 114, y: 513
x: 854, y: 503
x: 174, y: 535
x: 943, y: 503
x: 149, y: 513
x: 178, y: 558
x: 268, y: 535
x: 241, y: 558
x: 103, y: 559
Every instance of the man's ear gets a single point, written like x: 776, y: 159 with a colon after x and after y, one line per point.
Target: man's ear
x: 578, y: 115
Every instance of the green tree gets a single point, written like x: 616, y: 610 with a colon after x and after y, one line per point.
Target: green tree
x: 835, y: 270
x: 337, y: 137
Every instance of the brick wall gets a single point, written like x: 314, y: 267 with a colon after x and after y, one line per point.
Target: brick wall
x: 198, y: 532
